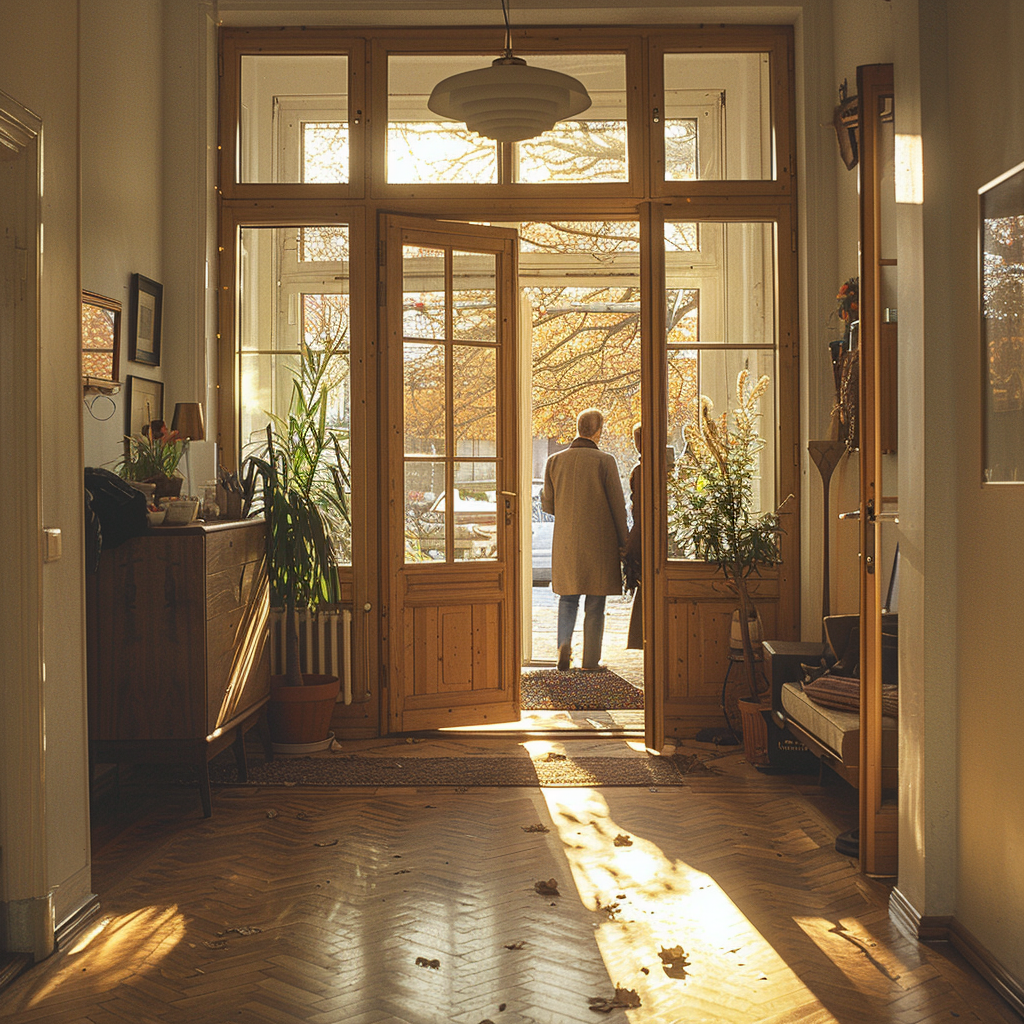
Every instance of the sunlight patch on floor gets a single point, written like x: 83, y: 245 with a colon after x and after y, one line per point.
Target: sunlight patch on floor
x: 670, y: 932
x: 117, y: 948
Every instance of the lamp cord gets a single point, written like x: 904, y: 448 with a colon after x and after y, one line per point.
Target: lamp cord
x: 508, y: 29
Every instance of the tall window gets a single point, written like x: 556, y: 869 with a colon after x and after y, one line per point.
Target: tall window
x: 295, y: 315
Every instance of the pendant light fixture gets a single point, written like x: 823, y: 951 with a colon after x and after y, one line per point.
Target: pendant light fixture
x: 509, y: 101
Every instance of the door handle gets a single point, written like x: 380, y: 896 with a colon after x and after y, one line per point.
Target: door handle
x: 510, y: 498
x: 855, y: 514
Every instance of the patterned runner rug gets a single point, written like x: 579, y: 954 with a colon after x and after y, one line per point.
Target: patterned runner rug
x: 551, y: 770
x: 547, y: 689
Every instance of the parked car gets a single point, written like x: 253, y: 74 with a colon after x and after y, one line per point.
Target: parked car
x: 543, y: 529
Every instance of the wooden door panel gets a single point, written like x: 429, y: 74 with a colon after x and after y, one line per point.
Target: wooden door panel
x: 453, y: 654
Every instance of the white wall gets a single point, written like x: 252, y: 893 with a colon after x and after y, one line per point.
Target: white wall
x: 986, y: 118
x: 39, y: 68
x: 122, y: 185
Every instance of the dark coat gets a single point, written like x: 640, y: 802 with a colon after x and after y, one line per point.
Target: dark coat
x: 583, y: 491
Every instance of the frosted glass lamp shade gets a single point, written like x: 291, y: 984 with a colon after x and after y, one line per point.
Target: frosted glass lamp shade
x: 188, y: 421
x: 509, y: 101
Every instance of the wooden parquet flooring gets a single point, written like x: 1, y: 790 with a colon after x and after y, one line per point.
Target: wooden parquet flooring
x: 420, y: 907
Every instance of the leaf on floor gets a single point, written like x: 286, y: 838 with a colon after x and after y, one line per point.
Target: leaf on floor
x: 401, y: 871
x: 422, y: 961
x: 271, y: 814
x: 611, y: 909
x: 535, y: 828
x: 547, y: 888
x: 244, y: 930
x: 623, y: 840
x: 515, y: 945
x: 552, y: 756
x: 624, y: 999
x: 328, y: 842
x: 215, y: 944
x: 675, y: 961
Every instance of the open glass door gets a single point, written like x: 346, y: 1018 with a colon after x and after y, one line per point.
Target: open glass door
x: 878, y: 813
x: 452, y: 505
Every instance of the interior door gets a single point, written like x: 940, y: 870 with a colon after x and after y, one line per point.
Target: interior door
x: 450, y: 359
x: 878, y: 815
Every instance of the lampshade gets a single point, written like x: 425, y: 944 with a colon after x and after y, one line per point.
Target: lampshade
x: 188, y: 420
x: 509, y: 101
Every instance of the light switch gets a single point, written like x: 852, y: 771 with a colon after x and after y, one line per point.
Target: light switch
x: 51, y: 545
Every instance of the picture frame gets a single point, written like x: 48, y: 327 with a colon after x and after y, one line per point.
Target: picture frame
x: 145, y: 309
x: 101, y: 340
x: 1001, y: 304
x: 145, y: 404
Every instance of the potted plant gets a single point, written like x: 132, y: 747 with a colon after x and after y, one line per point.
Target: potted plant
x: 714, y: 514
x: 300, y: 484
x: 152, y: 457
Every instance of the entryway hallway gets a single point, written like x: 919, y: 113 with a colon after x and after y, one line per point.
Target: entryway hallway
x: 720, y: 901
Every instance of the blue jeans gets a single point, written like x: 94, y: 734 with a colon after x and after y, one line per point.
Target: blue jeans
x: 593, y: 624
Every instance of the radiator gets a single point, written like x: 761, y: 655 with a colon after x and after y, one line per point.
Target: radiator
x: 325, y: 644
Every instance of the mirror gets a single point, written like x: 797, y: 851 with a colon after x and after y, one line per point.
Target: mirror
x: 101, y: 341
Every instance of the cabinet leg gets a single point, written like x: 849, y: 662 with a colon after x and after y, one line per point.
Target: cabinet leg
x: 240, y: 762
x: 204, y: 788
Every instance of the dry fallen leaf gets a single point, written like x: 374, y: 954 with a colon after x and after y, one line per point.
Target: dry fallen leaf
x: 271, y: 814
x: 244, y: 930
x: 422, y: 961
x: 624, y: 999
x: 329, y: 842
x: 535, y: 828
x: 623, y: 840
x: 548, y: 888
x: 515, y: 945
x: 552, y: 756
x: 674, y: 961
x: 216, y: 944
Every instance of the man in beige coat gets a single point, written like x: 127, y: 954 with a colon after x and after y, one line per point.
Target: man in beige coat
x: 583, y: 491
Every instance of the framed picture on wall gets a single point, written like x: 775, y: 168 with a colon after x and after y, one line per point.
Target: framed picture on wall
x: 145, y: 404
x: 1001, y: 228
x: 144, y: 313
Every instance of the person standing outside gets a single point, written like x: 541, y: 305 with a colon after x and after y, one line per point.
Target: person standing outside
x: 583, y: 491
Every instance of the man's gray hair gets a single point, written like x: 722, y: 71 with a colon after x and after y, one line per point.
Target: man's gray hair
x: 589, y: 422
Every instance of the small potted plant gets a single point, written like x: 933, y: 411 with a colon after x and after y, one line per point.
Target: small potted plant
x: 152, y: 457
x: 300, y: 484
x: 713, y: 504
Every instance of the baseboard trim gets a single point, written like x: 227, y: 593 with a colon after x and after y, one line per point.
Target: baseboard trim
x: 948, y: 929
x: 70, y: 928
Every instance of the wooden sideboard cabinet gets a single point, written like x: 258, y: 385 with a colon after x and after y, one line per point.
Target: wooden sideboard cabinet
x: 178, y: 659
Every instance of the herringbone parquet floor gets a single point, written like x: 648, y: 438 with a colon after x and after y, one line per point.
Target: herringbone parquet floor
x: 723, y: 901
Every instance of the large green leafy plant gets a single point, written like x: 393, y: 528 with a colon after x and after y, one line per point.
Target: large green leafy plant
x: 303, y: 473
x: 713, y: 514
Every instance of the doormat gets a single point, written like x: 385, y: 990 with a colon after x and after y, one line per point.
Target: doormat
x: 462, y: 772
x: 548, y: 689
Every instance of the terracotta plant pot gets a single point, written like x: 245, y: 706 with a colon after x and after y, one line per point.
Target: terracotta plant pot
x: 301, y: 714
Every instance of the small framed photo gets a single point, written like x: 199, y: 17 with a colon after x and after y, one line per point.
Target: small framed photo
x: 145, y: 404
x: 144, y: 313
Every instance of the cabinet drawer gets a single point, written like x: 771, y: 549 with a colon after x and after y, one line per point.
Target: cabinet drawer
x: 225, y: 548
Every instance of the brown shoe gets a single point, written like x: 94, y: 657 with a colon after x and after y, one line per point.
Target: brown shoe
x: 563, y: 658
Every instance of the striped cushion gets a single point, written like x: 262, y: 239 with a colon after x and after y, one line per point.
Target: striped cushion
x: 843, y: 694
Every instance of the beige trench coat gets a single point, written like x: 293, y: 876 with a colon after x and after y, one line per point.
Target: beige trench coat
x: 583, y: 491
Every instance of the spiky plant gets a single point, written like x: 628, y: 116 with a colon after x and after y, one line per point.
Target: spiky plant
x: 712, y: 502
x: 305, y: 487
